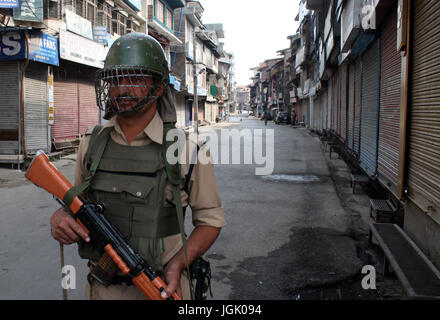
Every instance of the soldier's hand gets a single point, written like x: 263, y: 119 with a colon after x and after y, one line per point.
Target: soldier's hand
x: 172, y: 273
x: 65, y: 229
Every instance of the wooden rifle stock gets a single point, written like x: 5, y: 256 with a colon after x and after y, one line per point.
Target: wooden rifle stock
x: 45, y: 175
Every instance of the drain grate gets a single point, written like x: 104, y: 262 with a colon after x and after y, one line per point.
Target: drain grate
x: 416, y: 272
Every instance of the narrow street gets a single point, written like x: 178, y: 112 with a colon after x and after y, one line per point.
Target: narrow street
x: 285, y: 232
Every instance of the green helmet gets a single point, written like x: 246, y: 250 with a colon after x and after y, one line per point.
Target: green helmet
x: 133, y: 57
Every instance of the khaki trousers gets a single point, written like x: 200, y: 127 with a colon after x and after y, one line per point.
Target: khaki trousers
x: 97, y: 291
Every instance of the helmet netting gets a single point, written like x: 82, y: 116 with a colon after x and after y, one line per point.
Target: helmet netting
x: 123, y: 82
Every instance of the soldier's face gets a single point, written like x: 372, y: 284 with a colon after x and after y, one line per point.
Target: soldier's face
x: 127, y: 92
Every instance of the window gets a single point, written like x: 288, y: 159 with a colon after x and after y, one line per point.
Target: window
x: 91, y: 13
x: 119, y: 23
x: 53, y: 10
x: 104, y: 16
x: 131, y: 26
x: 160, y: 11
x: 114, y: 27
x: 169, y: 23
x: 79, y: 7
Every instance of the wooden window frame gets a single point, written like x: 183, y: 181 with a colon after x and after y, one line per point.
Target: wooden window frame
x: 163, y: 19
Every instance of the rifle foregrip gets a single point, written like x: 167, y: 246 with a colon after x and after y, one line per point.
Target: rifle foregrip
x: 144, y: 284
x: 117, y: 259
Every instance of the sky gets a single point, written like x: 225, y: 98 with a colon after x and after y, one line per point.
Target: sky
x: 254, y: 29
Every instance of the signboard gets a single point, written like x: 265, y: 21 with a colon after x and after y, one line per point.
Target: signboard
x: 51, y: 100
x: 175, y: 83
x: 101, y: 35
x: 79, y: 25
x: 9, y: 4
x: 80, y: 50
x: 44, y: 48
x: 29, y: 10
x: 12, y: 46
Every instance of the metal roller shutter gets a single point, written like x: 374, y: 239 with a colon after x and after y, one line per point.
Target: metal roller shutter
x: 208, y: 110
x: 357, y: 107
x: 88, y: 110
x: 321, y: 111
x: 343, y: 103
x: 389, y: 135
x: 299, y: 113
x: 316, y: 112
x: 188, y: 112
x: 350, y: 112
x: 424, y: 133
x: 369, y: 116
x: 305, y: 110
x: 180, y: 106
x: 9, y: 82
x: 201, y: 112
x: 324, y: 95
x: 329, y: 105
x: 334, y: 108
x: 66, y: 121
x: 36, y: 108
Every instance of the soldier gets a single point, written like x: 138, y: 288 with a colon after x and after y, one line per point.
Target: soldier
x: 131, y: 175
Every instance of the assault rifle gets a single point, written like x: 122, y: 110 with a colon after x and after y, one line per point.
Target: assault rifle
x: 91, y: 218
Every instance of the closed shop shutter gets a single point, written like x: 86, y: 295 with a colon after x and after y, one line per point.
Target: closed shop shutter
x: 188, y: 112
x: 336, y: 124
x: 208, y: 111
x: 424, y: 133
x: 9, y: 82
x: 357, y: 106
x: 88, y: 110
x: 338, y: 102
x: 388, y: 158
x: 323, y: 106
x: 350, y: 108
x: 305, y: 107
x: 216, y: 110
x: 324, y: 95
x: 329, y: 105
x: 369, y: 113
x: 318, y: 112
x: 201, y: 112
x: 180, y: 109
x: 36, y: 106
x: 66, y: 122
x: 333, y: 114
x: 75, y: 101
x: 299, y: 113
x: 343, y: 102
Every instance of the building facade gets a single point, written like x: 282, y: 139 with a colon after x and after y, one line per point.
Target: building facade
x: 50, y: 52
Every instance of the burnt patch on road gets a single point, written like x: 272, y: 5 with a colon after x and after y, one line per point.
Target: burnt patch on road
x: 215, y: 256
x: 314, y: 257
x: 293, y: 178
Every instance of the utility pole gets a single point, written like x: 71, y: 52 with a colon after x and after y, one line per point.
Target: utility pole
x: 196, y: 99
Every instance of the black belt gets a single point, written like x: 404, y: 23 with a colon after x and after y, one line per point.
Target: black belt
x: 120, y: 280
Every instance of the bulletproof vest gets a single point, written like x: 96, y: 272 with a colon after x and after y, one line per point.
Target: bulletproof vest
x: 131, y: 181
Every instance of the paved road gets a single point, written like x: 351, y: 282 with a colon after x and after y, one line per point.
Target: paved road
x: 284, y: 232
